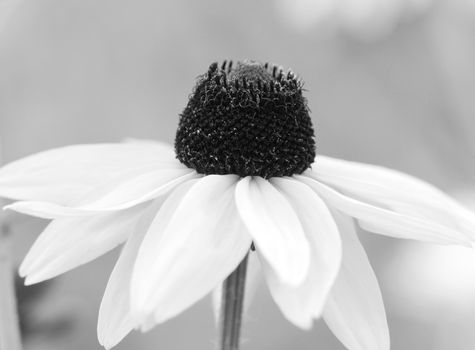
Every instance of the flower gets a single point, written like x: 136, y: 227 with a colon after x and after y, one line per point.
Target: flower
x: 243, y: 171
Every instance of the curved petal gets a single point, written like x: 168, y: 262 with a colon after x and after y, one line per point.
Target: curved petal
x: 115, y: 320
x: 63, y: 175
x: 70, y: 242
x: 275, y: 228
x: 303, y: 303
x: 118, y: 194
x: 354, y: 310
x: 195, y: 241
x: 402, y: 193
x: 385, y: 221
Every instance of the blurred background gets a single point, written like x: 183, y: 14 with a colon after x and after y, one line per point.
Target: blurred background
x: 389, y: 82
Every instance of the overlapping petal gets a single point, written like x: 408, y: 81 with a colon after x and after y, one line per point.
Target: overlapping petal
x: 63, y: 175
x: 119, y: 193
x: 275, y: 228
x: 186, y: 243
x: 194, y: 243
x: 301, y: 304
x: 354, y: 310
x: 386, y: 221
x: 115, y: 319
x: 402, y: 193
x: 70, y: 242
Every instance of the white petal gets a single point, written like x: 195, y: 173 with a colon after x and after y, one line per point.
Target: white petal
x: 275, y: 228
x: 118, y: 194
x: 70, y: 242
x: 63, y: 175
x: 303, y: 303
x: 115, y: 319
x: 401, y: 192
x: 194, y: 243
x: 143, y: 187
x: 354, y: 310
x: 48, y: 210
x: 385, y: 221
x: 253, y: 277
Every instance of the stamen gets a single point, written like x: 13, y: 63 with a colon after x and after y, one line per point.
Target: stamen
x: 212, y: 68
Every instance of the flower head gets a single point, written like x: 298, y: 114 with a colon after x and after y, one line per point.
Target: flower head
x: 242, y: 174
x: 248, y: 120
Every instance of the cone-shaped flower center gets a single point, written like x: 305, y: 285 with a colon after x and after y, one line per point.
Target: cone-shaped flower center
x: 247, y: 119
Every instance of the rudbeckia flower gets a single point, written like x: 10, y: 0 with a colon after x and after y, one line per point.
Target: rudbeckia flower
x: 243, y: 172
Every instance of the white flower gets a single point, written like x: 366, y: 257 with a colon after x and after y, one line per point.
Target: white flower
x: 184, y: 232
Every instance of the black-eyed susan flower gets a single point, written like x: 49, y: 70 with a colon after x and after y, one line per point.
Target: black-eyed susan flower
x: 243, y: 172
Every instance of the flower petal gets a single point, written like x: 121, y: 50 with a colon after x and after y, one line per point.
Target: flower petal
x: 385, y: 221
x: 354, y: 310
x: 115, y: 319
x: 301, y: 304
x: 63, y: 175
x: 194, y: 243
x: 118, y: 194
x: 70, y: 242
x: 275, y: 228
x: 402, y: 193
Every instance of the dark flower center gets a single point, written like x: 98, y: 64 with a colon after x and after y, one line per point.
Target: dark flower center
x: 247, y: 119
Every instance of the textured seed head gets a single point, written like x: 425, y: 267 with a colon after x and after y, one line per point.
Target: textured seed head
x: 249, y: 119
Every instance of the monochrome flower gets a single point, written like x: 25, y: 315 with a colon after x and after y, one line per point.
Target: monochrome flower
x: 243, y: 172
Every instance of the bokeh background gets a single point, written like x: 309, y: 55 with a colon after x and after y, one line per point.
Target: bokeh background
x: 389, y: 82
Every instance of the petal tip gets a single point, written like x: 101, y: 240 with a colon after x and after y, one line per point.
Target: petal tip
x: 107, y: 344
x: 9, y: 207
x: 305, y: 325
x: 23, y: 270
x: 32, y: 279
x: 38, y: 276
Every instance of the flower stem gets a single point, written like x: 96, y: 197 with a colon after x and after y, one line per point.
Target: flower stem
x: 232, y: 307
x: 9, y: 326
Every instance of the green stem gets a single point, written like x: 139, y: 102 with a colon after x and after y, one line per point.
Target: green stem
x: 9, y: 326
x: 232, y: 307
